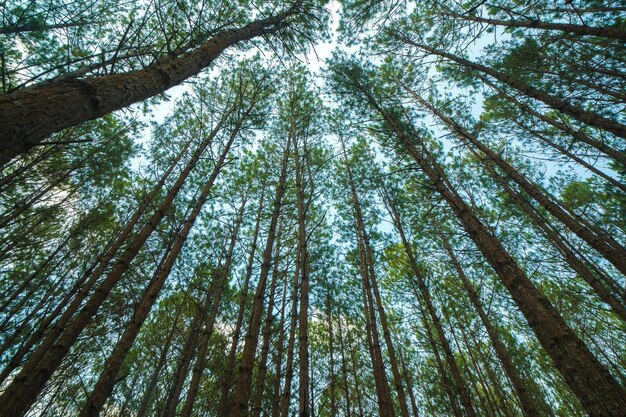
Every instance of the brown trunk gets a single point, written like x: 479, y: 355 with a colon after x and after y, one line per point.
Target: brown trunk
x: 244, y: 377
x: 459, y: 385
x: 207, y: 329
x: 531, y: 406
x: 154, y: 378
x: 580, y: 30
x: 597, y: 239
x: 29, y: 115
x: 108, y: 377
x: 243, y: 298
x: 25, y: 388
x: 344, y: 368
x: 303, y: 320
x: 286, y: 395
x: 582, y: 115
x: 275, y: 408
x: 448, y: 386
x: 259, y: 388
x: 598, y: 391
x: 331, y: 353
x: 576, y: 134
x: 383, y: 395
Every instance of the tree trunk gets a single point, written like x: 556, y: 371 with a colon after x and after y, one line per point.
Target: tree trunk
x: 580, y: 30
x: 244, y: 377
x: 224, y: 402
x: 598, y: 391
x: 25, y: 388
x: 597, y: 239
x: 582, y: 115
x: 207, y: 331
x: 108, y: 377
x: 29, y: 115
x: 531, y: 406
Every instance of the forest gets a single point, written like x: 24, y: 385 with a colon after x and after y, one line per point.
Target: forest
x: 313, y: 208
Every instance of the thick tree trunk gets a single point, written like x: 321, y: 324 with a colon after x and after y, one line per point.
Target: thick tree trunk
x: 29, y: 115
x: 597, y: 390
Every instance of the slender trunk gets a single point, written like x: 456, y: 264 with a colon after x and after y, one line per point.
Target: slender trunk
x: 597, y: 239
x: 275, y: 409
x: 224, y: 402
x: 154, y: 378
x: 25, y: 388
x: 303, y: 321
x: 598, y: 391
x: 331, y: 353
x: 579, y: 135
x: 580, y: 114
x: 580, y: 30
x: 90, y: 277
x: 58, y: 105
x: 344, y: 369
x: 443, y: 373
x: 108, y: 377
x: 459, y: 384
x: 530, y: 405
x: 244, y: 377
x: 207, y: 331
x: 383, y: 395
x: 259, y: 389
x: 286, y: 395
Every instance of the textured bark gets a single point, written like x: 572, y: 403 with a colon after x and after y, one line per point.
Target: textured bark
x: 224, y: 402
x: 610, y: 249
x: 580, y: 30
x: 582, y: 115
x: 108, y: 377
x: 244, y: 377
x: 531, y: 406
x: 25, y: 388
x: 29, y: 115
x: 597, y: 390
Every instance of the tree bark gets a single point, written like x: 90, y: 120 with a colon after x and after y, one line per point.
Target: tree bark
x: 597, y: 390
x: 29, y: 115
x: 244, y: 377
